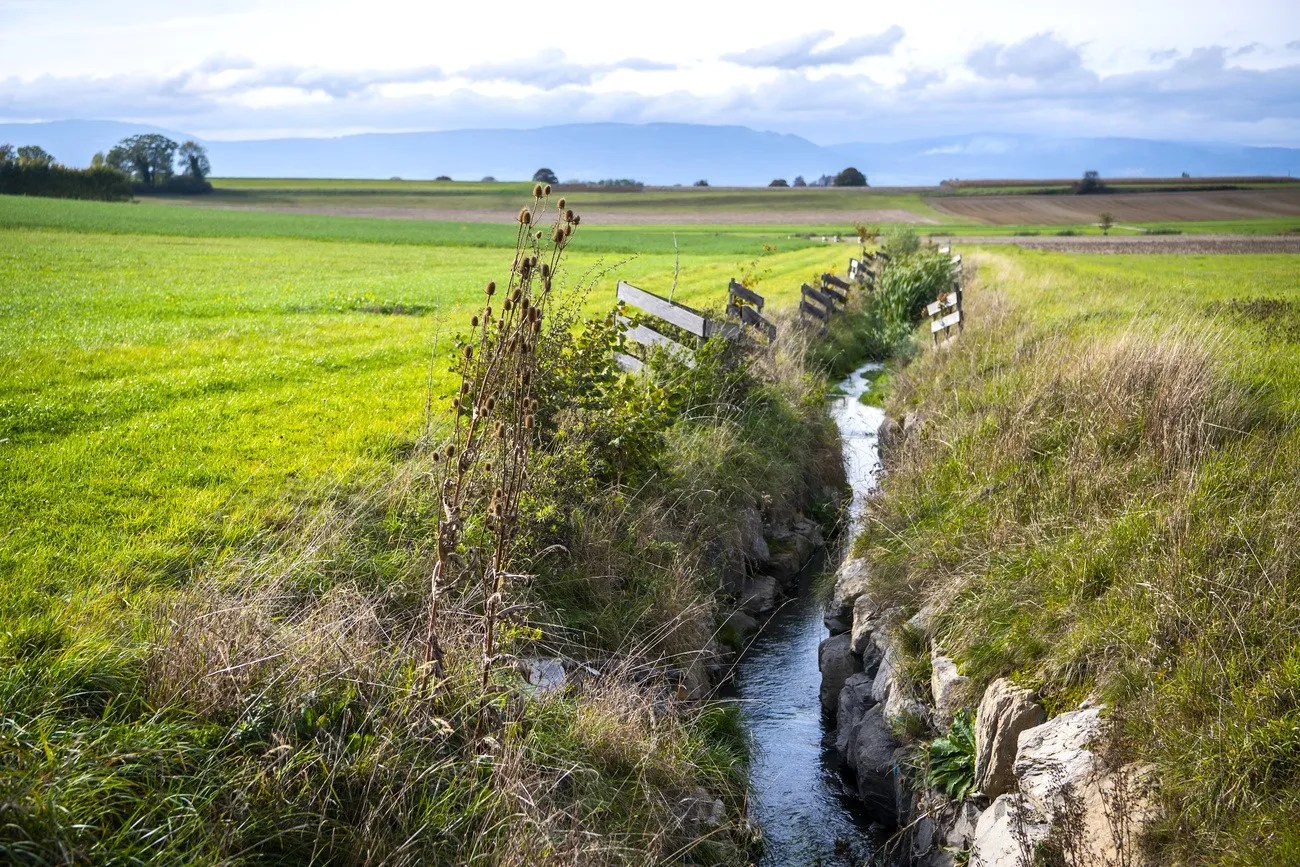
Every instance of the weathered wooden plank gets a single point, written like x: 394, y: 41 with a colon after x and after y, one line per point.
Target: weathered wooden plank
x: 728, y: 330
x: 734, y: 310
x: 818, y: 295
x: 947, y: 302
x: 629, y: 363
x: 813, y: 310
x: 758, y: 322
x: 678, y: 314
x: 832, y: 280
x: 836, y: 294
x: 946, y: 322
x: 739, y: 290
x: 647, y: 336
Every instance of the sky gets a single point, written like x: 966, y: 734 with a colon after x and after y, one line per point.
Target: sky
x: 1184, y: 70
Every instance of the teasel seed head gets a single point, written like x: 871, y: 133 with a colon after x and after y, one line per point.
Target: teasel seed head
x: 577, y: 218
x: 569, y: 215
x: 537, y: 191
x: 491, y: 288
x: 546, y: 189
x: 560, y: 204
x: 525, y: 216
x: 558, y: 237
x: 528, y: 421
x: 469, y: 352
x: 546, y: 270
x: 473, y: 322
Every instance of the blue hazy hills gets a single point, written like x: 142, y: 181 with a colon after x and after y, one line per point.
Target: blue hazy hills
x: 673, y: 153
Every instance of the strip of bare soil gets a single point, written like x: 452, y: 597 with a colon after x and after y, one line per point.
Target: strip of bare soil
x: 1059, y: 210
x: 1185, y: 244
x: 610, y: 218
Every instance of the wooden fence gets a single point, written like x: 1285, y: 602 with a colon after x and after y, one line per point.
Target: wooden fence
x: 945, y: 312
x: 817, y: 304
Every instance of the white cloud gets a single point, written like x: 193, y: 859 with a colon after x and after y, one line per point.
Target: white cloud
x: 804, y: 51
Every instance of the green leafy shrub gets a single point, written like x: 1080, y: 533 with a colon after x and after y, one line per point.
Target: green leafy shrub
x: 952, y: 759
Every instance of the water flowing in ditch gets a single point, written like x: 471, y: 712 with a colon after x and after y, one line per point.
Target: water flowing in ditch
x: 797, y: 797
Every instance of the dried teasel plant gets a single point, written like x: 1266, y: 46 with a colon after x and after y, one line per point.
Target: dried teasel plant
x: 482, y: 470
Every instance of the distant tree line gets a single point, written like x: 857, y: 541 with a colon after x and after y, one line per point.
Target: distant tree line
x: 156, y: 164
x: 137, y: 164
x: 850, y: 177
x: 30, y: 171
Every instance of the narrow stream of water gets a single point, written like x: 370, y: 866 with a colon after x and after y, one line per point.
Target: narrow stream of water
x: 797, y: 797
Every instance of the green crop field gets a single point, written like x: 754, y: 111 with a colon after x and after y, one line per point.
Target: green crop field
x: 177, y: 381
x: 184, y: 384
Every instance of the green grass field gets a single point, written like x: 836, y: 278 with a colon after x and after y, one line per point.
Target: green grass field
x: 180, y: 384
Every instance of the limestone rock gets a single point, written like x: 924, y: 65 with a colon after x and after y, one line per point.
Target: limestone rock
x: 542, y: 675
x: 855, y: 700
x: 913, y: 422
x: 996, y: 844
x: 866, y: 618
x: 790, y: 549
x: 852, y: 580
x: 901, y: 707
x: 837, y: 625
x: 923, y: 619
x: 889, y: 440
x: 810, y: 530
x: 752, y: 543
x: 759, y: 594
x: 883, y: 683
x: 1005, y: 711
x: 1116, y: 812
x: 872, y: 754
x: 837, y: 663
x: 1058, y: 753
x: 951, y: 691
x: 740, y: 623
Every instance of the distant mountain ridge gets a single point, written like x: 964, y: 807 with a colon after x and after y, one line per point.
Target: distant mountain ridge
x: 676, y: 153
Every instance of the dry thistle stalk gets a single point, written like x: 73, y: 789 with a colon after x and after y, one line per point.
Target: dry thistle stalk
x: 488, y: 453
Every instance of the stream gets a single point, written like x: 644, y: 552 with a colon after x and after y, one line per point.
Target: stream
x: 807, y: 813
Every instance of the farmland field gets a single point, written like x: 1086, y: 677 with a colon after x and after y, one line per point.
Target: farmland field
x: 180, y: 386
x: 184, y: 384
x: 1126, y: 207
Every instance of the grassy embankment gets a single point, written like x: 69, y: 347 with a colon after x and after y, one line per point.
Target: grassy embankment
x: 1103, y: 500
x: 219, y: 513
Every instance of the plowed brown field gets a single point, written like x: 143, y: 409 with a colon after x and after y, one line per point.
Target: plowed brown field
x: 1057, y: 210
